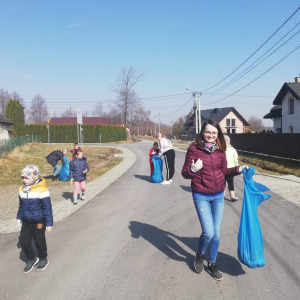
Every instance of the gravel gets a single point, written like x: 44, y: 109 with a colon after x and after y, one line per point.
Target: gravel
x: 64, y: 208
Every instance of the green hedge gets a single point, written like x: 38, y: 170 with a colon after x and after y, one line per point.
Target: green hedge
x: 68, y: 133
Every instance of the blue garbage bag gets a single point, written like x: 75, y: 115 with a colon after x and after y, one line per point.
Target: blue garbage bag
x: 158, y: 167
x: 250, y: 240
x: 64, y: 174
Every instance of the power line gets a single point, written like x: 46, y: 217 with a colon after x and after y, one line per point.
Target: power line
x: 243, y: 73
x: 256, y: 77
x: 179, y: 108
x: 253, y: 52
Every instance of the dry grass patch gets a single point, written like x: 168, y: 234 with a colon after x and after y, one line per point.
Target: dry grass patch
x: 12, y: 164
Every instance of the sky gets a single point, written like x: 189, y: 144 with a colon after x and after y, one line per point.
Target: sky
x: 71, y: 52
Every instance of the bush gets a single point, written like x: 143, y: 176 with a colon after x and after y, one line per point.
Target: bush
x: 68, y: 133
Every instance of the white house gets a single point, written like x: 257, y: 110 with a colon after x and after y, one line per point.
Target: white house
x: 286, y: 112
x: 5, y: 128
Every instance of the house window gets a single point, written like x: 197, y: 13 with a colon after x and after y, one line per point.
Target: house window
x: 227, y: 122
x: 291, y: 105
x: 233, y: 130
x: 228, y: 130
x: 233, y: 122
x: 291, y: 129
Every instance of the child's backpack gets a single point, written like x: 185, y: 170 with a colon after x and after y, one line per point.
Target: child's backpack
x: 158, y: 167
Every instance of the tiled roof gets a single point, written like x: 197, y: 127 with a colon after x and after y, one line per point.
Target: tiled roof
x: 85, y: 121
x: 4, y: 120
x: 292, y: 87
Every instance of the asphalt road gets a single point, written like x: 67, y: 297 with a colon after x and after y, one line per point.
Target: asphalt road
x: 136, y: 240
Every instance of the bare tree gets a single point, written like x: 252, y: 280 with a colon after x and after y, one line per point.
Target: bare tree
x: 256, y: 124
x: 127, y: 79
x: 16, y: 96
x: 68, y: 112
x: 98, y: 110
x: 39, y: 110
x: 114, y: 114
x: 85, y: 114
x: 4, y: 97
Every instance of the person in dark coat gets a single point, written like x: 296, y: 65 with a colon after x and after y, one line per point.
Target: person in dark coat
x: 53, y: 158
x: 206, y: 166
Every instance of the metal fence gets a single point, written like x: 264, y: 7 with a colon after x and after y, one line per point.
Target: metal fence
x: 285, y: 145
x: 11, y: 144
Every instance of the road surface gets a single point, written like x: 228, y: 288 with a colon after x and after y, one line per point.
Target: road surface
x: 136, y: 240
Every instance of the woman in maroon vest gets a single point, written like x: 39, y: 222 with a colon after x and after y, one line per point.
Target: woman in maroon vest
x: 206, y: 165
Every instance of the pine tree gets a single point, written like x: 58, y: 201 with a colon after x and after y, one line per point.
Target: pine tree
x: 15, y: 113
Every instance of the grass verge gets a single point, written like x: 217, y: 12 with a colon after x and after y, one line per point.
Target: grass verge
x: 270, y: 165
x: 100, y: 160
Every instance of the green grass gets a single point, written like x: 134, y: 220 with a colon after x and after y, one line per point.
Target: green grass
x: 270, y: 165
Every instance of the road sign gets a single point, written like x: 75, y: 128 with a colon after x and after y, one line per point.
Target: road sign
x: 79, y: 116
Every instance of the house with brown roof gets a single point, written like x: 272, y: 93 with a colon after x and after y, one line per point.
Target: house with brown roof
x: 5, y: 128
x: 286, y: 111
x: 85, y: 120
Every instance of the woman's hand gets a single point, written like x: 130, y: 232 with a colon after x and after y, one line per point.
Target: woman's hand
x: 85, y: 171
x: 48, y: 228
x: 243, y: 167
x: 72, y: 181
x: 196, y: 166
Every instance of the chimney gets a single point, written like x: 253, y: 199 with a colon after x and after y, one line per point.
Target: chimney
x: 297, y: 79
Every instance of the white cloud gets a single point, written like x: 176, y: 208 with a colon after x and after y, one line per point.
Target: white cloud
x: 75, y: 25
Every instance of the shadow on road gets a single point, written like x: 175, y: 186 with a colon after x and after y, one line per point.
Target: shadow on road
x: 186, y: 188
x: 165, y: 241
x: 67, y: 195
x: 143, y: 177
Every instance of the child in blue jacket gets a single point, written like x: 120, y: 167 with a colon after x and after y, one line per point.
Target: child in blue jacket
x: 78, y: 170
x: 35, y: 215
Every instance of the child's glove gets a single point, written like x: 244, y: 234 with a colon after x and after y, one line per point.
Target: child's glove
x: 243, y: 167
x: 159, y: 154
x: 19, y: 223
x: 195, y: 167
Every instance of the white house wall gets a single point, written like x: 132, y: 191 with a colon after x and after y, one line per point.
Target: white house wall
x: 4, y: 134
x: 290, y: 119
x: 276, y: 124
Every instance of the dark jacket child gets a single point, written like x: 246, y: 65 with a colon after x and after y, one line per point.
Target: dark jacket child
x: 76, y: 146
x: 153, y: 151
x: 78, y: 170
x: 53, y: 158
x: 35, y: 215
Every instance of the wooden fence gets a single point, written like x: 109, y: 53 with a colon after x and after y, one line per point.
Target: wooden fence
x: 285, y: 145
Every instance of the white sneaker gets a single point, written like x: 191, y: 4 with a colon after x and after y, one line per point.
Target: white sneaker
x: 166, y: 182
x: 170, y: 180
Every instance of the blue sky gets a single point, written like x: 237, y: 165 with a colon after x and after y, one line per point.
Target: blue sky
x: 72, y: 51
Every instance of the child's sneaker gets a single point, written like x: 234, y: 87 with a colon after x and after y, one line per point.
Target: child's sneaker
x: 214, y: 271
x: 30, y: 265
x: 165, y: 182
x: 83, y: 196
x: 42, y: 265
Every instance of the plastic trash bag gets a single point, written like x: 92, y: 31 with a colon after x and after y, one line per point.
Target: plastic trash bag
x: 250, y: 240
x: 64, y: 174
x: 158, y: 167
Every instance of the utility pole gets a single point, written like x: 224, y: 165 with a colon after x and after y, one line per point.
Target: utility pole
x: 197, y: 112
x: 159, y: 123
x: 155, y: 125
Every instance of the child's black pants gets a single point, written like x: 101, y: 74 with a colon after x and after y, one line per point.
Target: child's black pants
x: 35, y: 231
x: 170, y: 163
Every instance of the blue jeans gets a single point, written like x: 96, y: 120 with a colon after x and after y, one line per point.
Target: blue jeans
x: 210, y: 211
x: 56, y: 169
